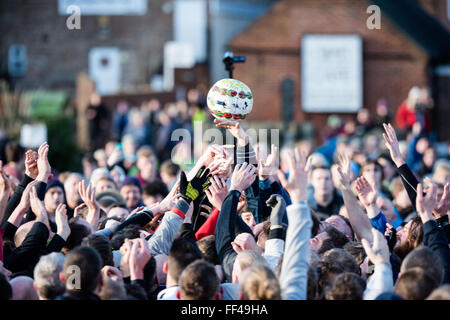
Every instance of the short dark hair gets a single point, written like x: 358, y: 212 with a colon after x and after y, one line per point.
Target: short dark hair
x: 181, y: 254
x: 415, y: 284
x: 78, y: 232
x: 170, y: 168
x: 103, y: 223
x: 131, y: 231
x: 337, y: 240
x: 155, y: 188
x: 425, y: 258
x: 135, y: 292
x: 334, y: 262
x: 89, y: 263
x: 207, y: 246
x: 198, y: 281
x: 356, y: 249
x: 346, y: 286
x: 103, y: 247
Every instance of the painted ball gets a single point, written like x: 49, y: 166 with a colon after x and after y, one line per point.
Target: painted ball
x: 230, y: 99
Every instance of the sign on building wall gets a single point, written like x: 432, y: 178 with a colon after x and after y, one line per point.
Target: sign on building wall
x: 105, y: 69
x: 331, y: 72
x: 189, y: 25
x: 176, y: 55
x: 104, y: 7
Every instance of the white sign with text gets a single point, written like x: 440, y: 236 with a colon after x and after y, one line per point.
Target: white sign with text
x: 331, y: 72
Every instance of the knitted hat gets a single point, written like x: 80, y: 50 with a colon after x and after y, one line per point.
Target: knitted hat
x: 128, y: 181
x: 55, y: 183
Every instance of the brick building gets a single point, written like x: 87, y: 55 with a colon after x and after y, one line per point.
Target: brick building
x: 392, y: 61
x: 56, y: 54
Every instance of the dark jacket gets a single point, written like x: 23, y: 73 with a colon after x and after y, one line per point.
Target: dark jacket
x: 228, y: 226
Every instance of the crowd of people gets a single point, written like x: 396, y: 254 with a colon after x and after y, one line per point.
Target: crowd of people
x: 365, y: 215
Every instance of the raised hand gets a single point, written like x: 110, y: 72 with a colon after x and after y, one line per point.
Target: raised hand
x: 222, y: 167
x: 170, y: 200
x: 235, y: 129
x: 112, y: 273
x: 426, y: 205
x: 88, y: 197
x: 343, y: 172
x: 115, y: 157
x: 62, y: 223
x: 213, y: 152
x: 366, y: 192
x: 5, y: 185
x: 217, y: 192
x: 38, y: 208
x: 44, y: 169
x: 125, y: 251
x: 266, y: 164
x: 391, y: 143
x: 278, y: 205
x: 243, y: 176
x: 297, y: 183
x: 31, y: 167
x: 191, y: 190
x: 244, y: 241
x: 378, y: 253
x: 443, y: 205
x: 139, y: 256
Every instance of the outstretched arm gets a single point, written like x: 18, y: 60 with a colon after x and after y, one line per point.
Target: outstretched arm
x: 294, y: 270
x: 358, y: 218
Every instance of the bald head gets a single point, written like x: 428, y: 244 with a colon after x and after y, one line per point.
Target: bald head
x: 22, y: 232
x: 22, y: 288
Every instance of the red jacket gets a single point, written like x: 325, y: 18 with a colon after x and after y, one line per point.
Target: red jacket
x: 405, y: 117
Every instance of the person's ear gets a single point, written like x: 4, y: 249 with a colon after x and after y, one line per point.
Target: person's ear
x: 166, y: 267
x: 61, y: 277
x: 35, y: 288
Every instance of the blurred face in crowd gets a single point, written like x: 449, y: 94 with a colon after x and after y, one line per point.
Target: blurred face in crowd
x: 402, y: 199
x: 88, y: 167
x: 132, y: 195
x: 103, y: 185
x: 101, y: 157
x: 363, y: 116
x: 248, y: 219
x: 316, y: 243
x: 321, y: 181
x: 53, y: 197
x: 388, y: 169
x: 441, y: 174
x: 422, y: 145
x: 429, y: 157
x: 340, y: 224
x: 402, y: 233
x: 118, y: 212
x: 71, y: 188
x: 372, y: 173
x: 147, y: 166
x: 387, y: 208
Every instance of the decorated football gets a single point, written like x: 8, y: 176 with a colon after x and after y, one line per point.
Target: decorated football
x: 230, y: 99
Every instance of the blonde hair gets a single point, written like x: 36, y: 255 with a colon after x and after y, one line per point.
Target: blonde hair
x: 260, y: 283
